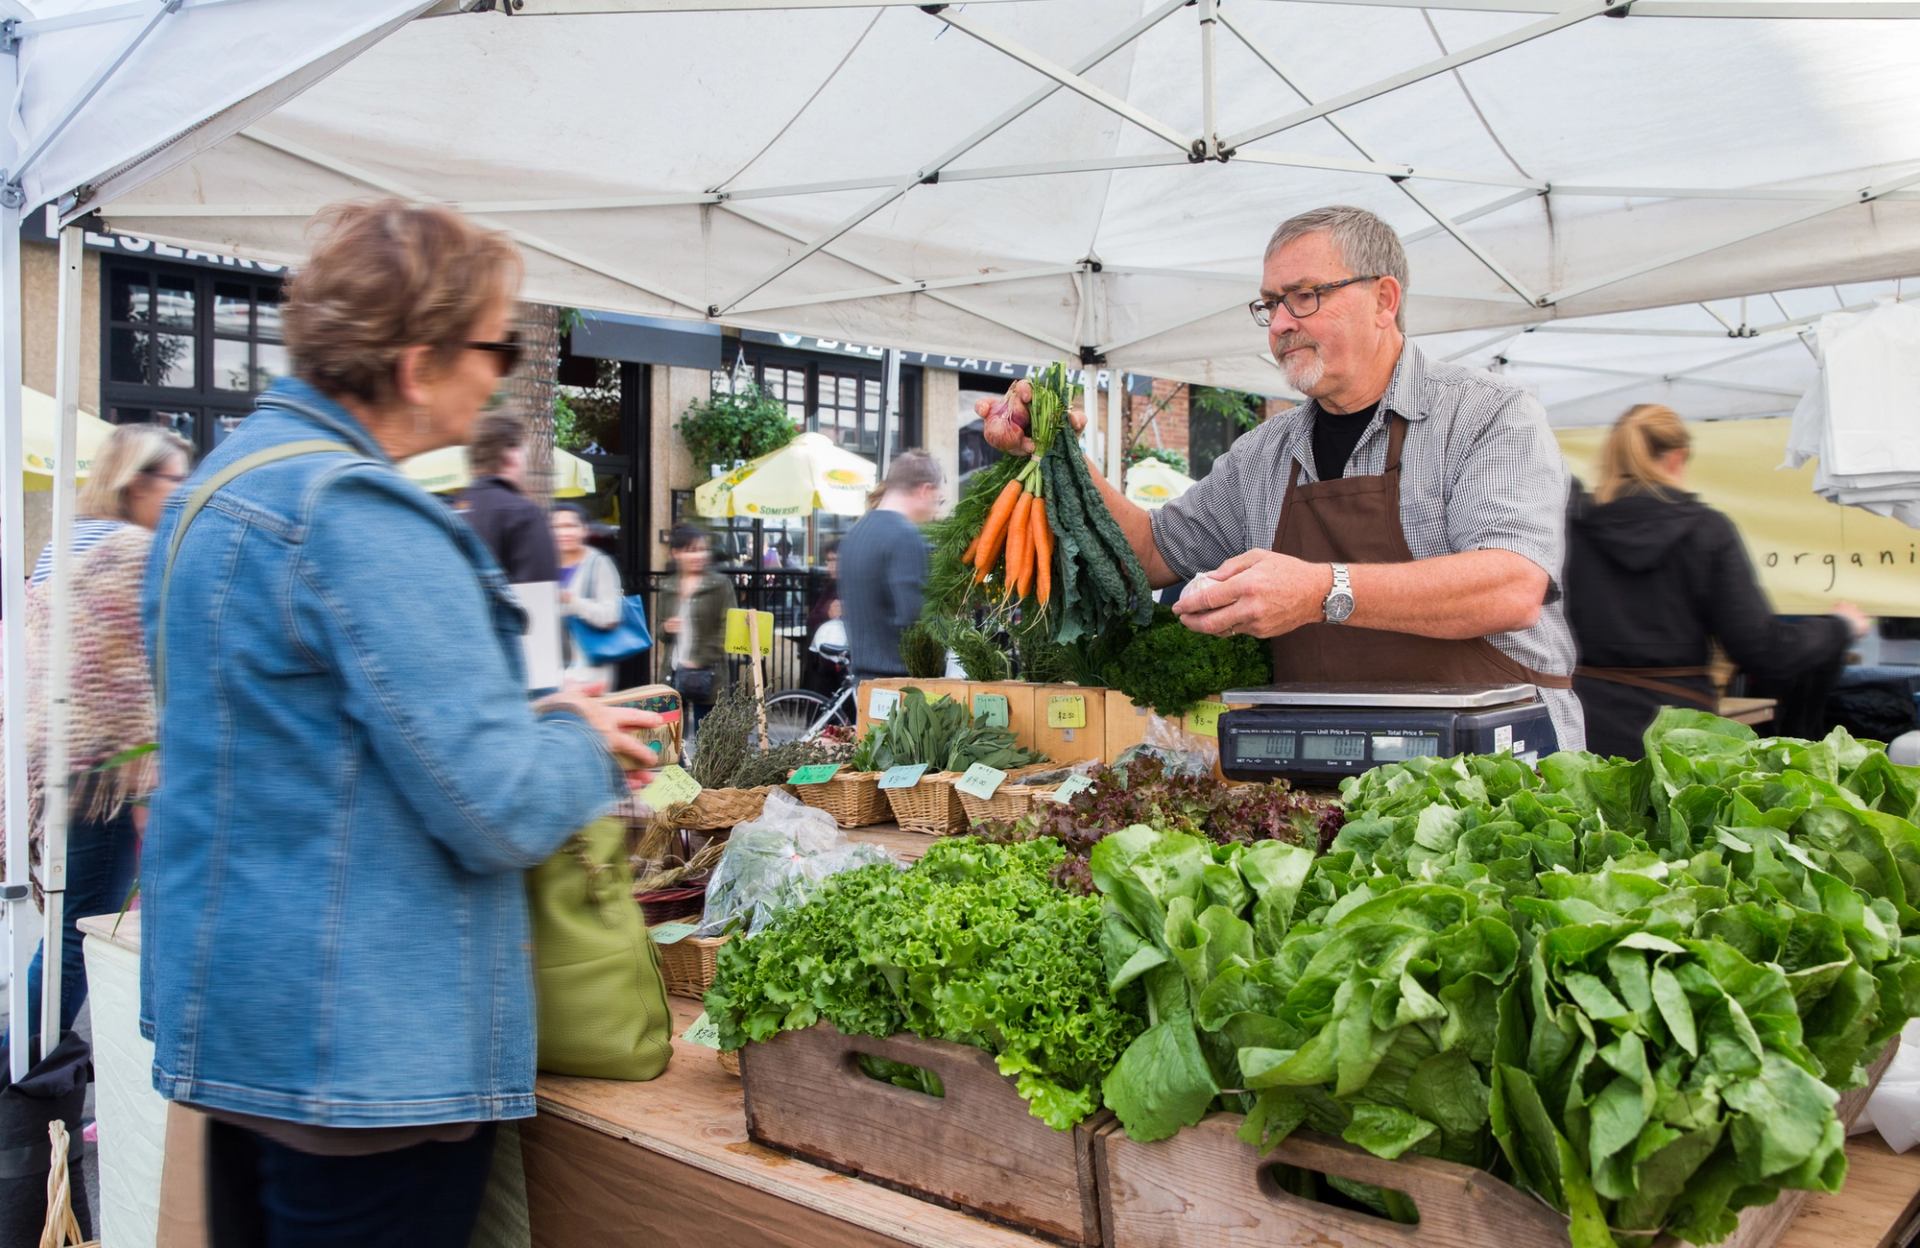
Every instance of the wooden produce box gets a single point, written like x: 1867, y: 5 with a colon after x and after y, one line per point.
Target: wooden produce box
x: 1126, y: 724
x: 1020, y: 708
x: 1205, y: 1188
x: 1070, y: 745
x: 934, y: 689
x: 977, y: 1148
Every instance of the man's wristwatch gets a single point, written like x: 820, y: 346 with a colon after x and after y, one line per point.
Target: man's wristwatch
x: 1339, y: 601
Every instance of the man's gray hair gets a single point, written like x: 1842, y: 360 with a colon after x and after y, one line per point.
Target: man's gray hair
x: 1367, y: 244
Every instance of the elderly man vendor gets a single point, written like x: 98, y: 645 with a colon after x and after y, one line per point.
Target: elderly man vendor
x: 1405, y: 523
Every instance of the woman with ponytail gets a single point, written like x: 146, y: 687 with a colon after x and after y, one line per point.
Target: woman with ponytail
x: 1654, y: 576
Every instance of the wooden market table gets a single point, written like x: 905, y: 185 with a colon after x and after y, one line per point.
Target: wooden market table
x: 670, y: 1161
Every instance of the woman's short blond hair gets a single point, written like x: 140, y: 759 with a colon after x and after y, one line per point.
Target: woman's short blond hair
x: 130, y: 453
x: 1630, y: 460
x: 386, y: 276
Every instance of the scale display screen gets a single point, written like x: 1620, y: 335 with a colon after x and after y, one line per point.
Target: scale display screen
x: 1333, y: 746
x: 1398, y: 749
x: 1277, y: 747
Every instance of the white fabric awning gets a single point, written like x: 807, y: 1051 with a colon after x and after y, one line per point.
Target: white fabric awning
x: 1034, y: 180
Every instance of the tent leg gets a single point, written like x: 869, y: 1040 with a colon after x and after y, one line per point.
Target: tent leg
x: 22, y: 921
x: 1116, y: 428
x: 53, y: 869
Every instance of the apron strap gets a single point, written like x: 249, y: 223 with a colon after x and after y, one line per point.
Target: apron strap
x: 201, y: 496
x: 1655, y: 680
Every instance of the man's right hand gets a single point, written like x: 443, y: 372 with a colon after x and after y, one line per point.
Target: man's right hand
x: 1009, y: 438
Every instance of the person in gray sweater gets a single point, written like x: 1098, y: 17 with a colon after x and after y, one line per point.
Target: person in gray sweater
x: 883, y: 565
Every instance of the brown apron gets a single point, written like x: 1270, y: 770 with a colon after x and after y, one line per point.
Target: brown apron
x: 1357, y: 520
x: 1657, y: 680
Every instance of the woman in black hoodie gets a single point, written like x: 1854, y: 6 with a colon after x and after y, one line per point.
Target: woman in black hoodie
x: 1654, y: 575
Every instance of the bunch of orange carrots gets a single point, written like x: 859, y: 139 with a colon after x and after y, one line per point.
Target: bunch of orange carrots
x: 1017, y: 527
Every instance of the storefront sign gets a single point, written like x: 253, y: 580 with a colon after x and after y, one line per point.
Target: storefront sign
x: 954, y: 363
x: 33, y: 228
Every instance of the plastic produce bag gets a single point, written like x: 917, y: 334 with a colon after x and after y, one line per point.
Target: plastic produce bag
x: 776, y: 861
x: 1894, y: 1107
x: 1183, y: 753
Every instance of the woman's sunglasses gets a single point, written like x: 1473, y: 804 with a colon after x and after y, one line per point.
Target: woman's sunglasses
x: 509, y: 351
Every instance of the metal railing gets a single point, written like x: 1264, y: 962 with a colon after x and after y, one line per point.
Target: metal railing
x: 789, y: 593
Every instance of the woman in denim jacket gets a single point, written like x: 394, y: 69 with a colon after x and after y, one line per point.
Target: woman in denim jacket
x: 335, y: 955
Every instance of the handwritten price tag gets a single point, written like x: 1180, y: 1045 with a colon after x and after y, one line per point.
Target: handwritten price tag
x: 881, y: 702
x: 818, y: 773
x: 703, y: 1031
x: 672, y: 787
x: 990, y: 709
x: 740, y: 632
x: 671, y: 933
x: 1204, y: 719
x: 981, y: 781
x: 1070, y: 787
x: 1066, y: 710
x: 904, y: 776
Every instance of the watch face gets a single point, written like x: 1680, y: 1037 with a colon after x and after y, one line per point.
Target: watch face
x: 1339, y: 606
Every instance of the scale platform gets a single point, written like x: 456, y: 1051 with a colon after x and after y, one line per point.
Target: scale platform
x: 1317, y: 734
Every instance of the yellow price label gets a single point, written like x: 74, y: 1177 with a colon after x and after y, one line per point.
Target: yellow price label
x: 1204, y: 719
x: 672, y: 787
x: 1066, y: 710
x: 740, y: 632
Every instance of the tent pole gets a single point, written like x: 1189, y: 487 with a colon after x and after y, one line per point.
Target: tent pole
x: 53, y: 858
x: 1116, y: 427
x: 889, y: 404
x: 18, y: 895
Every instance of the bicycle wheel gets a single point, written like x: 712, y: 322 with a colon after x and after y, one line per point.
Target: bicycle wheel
x: 792, y: 714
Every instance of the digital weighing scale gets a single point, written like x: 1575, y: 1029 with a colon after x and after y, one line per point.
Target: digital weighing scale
x: 1316, y: 735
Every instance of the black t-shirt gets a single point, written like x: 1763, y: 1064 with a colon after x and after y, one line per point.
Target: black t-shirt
x: 1334, y: 437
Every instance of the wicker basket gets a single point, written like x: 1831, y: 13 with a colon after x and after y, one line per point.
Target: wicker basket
x: 663, y: 701
x: 931, y: 807
x: 1012, y: 799
x: 687, y: 965
x: 720, y: 808
x: 853, y: 798
x: 665, y: 905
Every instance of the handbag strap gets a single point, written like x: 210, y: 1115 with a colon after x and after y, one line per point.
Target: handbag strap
x: 199, y: 499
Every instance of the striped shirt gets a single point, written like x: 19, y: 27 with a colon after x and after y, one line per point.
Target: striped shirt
x: 88, y: 532
x: 1480, y: 470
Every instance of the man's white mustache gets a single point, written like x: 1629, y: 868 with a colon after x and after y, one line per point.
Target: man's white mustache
x: 1289, y: 342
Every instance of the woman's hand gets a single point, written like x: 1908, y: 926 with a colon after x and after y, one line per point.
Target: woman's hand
x: 671, y: 626
x: 1856, y: 619
x: 614, y: 724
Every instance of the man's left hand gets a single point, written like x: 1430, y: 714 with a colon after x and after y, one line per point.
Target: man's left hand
x: 1259, y: 594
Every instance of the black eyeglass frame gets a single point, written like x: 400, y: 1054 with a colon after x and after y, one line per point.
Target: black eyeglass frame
x: 1262, y: 309
x: 509, y: 350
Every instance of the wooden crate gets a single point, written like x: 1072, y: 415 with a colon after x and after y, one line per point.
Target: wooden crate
x: 934, y: 689
x: 1126, y: 724
x: 1204, y: 1188
x: 1019, y: 696
x: 1071, y: 745
x: 977, y: 1148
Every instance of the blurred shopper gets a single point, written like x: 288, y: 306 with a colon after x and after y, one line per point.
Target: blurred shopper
x: 884, y: 559
x: 590, y: 591
x: 513, y: 526
x: 335, y: 955
x: 110, y: 695
x: 815, y: 672
x: 693, y: 616
x: 1654, y: 576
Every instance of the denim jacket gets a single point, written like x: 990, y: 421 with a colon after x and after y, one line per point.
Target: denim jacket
x: 334, y: 930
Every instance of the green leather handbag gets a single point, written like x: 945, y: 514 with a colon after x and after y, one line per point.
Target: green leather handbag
x: 596, y: 973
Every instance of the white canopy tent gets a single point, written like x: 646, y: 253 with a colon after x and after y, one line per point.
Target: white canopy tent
x: 1716, y: 359
x: 1092, y: 179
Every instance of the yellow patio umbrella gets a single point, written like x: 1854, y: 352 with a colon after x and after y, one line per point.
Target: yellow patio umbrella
x: 444, y: 470
x: 806, y: 475
x: 40, y: 432
x: 1153, y: 483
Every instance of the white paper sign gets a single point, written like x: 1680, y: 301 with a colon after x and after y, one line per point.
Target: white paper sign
x: 541, y: 642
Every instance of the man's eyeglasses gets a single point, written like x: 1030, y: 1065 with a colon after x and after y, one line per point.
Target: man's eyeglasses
x: 1303, y: 302
x: 509, y: 351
